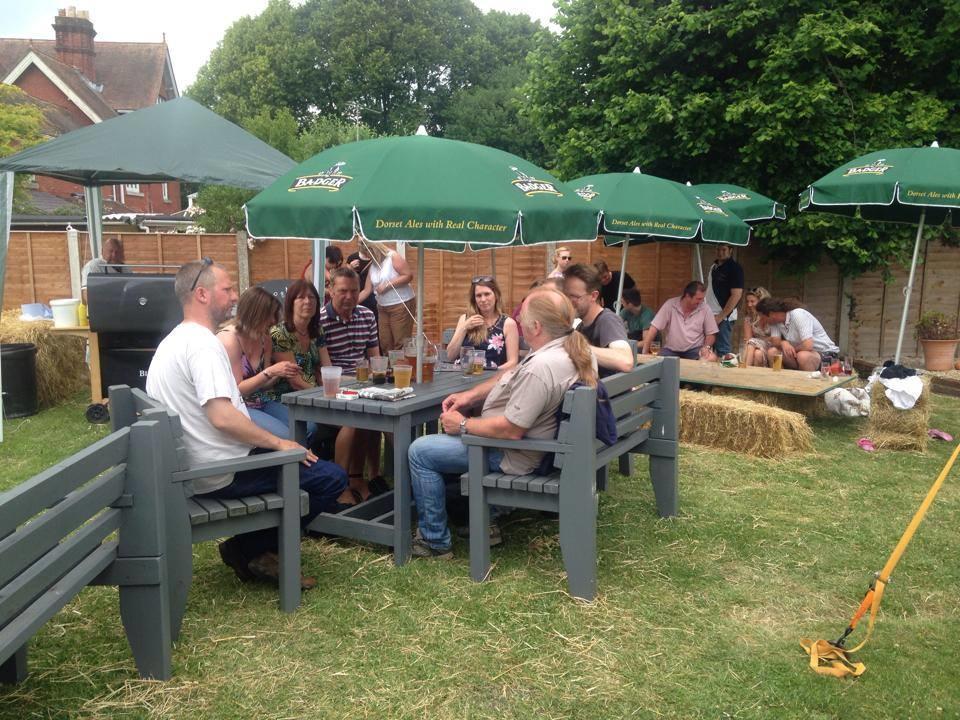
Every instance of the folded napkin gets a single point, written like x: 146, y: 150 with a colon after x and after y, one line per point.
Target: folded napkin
x: 375, y: 393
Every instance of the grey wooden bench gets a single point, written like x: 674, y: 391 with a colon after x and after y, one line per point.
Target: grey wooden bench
x: 95, y: 518
x: 193, y: 519
x: 645, y: 402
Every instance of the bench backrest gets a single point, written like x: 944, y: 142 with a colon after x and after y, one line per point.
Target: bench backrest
x: 56, y: 528
x: 643, y: 401
x: 128, y: 405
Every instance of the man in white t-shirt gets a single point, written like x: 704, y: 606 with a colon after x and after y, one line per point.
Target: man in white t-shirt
x: 190, y: 374
x: 797, y: 334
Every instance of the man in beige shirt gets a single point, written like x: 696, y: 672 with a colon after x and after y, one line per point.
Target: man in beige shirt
x: 520, y: 402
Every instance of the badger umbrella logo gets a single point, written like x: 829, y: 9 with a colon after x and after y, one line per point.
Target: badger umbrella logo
x: 877, y: 167
x: 587, y: 192
x: 529, y: 185
x: 330, y: 180
x: 708, y: 208
x: 727, y: 196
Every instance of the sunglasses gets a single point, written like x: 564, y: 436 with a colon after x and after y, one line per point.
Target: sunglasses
x: 481, y: 279
x: 204, y: 264
x: 566, y: 257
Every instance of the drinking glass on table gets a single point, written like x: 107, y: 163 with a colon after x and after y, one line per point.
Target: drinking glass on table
x: 402, y: 373
x: 776, y: 363
x: 378, y: 369
x: 330, y: 374
x: 363, y: 370
x: 847, y: 365
x: 466, y: 361
x: 430, y: 355
x: 825, y: 369
x: 479, y: 362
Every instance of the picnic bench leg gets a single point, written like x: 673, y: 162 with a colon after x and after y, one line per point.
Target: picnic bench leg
x: 401, y: 491
x: 144, y: 602
x: 477, y: 463
x: 14, y: 669
x: 664, y: 474
x: 289, y: 540
x: 625, y: 465
x: 603, y: 478
x: 578, y: 528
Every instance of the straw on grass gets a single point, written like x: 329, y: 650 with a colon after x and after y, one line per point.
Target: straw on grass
x: 61, y: 364
x: 743, y: 426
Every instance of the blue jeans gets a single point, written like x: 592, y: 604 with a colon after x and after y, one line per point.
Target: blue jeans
x: 431, y: 457
x: 724, y: 332
x: 268, y: 422
x: 277, y: 415
x: 323, y: 482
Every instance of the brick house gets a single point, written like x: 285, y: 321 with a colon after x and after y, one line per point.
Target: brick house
x: 77, y: 81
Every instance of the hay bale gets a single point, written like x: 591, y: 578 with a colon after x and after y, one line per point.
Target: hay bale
x: 895, y: 429
x: 811, y: 407
x: 743, y: 426
x: 61, y: 359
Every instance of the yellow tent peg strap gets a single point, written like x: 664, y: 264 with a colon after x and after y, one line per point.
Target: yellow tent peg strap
x: 827, y: 659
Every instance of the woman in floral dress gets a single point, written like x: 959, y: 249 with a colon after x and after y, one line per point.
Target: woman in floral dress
x: 487, y: 328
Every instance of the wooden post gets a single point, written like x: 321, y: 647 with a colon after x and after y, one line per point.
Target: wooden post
x: 243, y: 261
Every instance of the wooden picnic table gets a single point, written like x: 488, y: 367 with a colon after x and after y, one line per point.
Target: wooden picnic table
x: 384, y: 519
x: 757, y: 379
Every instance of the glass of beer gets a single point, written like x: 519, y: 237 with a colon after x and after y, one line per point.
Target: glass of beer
x: 402, y: 373
x: 363, y: 370
x: 410, y: 353
x: 330, y: 374
x: 466, y: 361
x: 378, y: 370
x: 479, y: 362
x: 430, y: 354
x: 777, y: 362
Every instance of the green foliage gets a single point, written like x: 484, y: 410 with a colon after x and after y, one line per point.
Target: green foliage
x: 935, y: 325
x: 396, y: 64
x: 21, y: 124
x: 768, y: 95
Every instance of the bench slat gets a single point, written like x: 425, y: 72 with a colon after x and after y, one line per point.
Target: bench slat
x: 36, y: 538
x: 198, y: 516
x: 255, y: 504
x: 552, y: 486
x: 622, y: 382
x: 22, y: 502
x: 304, y: 502
x: 234, y: 507
x: 26, y: 624
x: 273, y: 501
x: 632, y: 423
x: 36, y: 579
x: 628, y: 402
x: 214, y: 508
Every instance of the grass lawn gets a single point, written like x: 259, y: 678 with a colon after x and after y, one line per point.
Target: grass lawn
x: 697, y: 617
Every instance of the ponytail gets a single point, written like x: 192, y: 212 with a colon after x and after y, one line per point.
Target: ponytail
x: 554, y: 311
x: 581, y: 356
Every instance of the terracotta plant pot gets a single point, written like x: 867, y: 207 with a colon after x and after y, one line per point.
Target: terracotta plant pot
x: 938, y: 354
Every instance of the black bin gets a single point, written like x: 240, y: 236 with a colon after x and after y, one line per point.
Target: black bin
x: 18, y: 368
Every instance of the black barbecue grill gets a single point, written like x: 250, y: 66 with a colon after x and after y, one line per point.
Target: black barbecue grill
x: 131, y: 313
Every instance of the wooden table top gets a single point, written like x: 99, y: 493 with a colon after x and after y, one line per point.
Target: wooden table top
x: 759, y: 379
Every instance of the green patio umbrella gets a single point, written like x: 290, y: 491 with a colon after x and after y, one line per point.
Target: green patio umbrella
x: 749, y: 206
x: 433, y: 192
x: 904, y: 185
x: 637, y: 208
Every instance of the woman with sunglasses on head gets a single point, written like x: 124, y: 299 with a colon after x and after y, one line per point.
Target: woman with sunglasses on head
x: 247, y: 341
x: 756, y: 332
x: 561, y: 261
x: 488, y: 328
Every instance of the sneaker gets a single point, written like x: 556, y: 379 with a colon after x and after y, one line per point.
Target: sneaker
x: 420, y: 549
x: 496, y: 537
x: 267, y: 567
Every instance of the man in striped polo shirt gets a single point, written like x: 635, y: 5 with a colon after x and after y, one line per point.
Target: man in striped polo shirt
x: 350, y: 332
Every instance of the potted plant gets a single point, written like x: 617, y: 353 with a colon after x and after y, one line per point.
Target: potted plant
x: 938, y: 335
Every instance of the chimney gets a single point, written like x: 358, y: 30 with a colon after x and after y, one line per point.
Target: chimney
x: 74, y: 43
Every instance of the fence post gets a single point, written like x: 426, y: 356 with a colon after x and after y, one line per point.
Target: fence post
x: 243, y: 261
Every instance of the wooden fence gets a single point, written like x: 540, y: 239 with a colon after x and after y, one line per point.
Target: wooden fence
x: 862, y: 314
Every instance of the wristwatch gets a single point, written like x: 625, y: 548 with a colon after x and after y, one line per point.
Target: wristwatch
x: 463, y: 426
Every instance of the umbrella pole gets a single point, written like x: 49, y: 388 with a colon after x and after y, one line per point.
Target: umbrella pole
x: 909, y: 289
x: 696, y: 247
x: 623, y: 274
x: 420, y: 253
x: 319, y: 261
x: 93, y: 199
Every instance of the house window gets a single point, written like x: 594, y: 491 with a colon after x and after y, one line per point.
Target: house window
x: 133, y: 188
x: 165, y: 189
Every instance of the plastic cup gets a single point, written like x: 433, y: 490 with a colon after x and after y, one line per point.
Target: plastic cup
x: 654, y: 348
x: 395, y: 357
x: 378, y: 370
x: 479, y: 362
x: 330, y: 374
x: 402, y: 374
x: 777, y: 362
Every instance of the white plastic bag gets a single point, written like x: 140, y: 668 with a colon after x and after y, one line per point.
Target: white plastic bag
x: 848, y: 402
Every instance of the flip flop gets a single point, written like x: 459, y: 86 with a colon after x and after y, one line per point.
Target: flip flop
x: 939, y: 434
x: 866, y: 444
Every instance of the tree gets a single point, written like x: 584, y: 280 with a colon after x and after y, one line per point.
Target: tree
x: 770, y: 95
x: 21, y: 125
